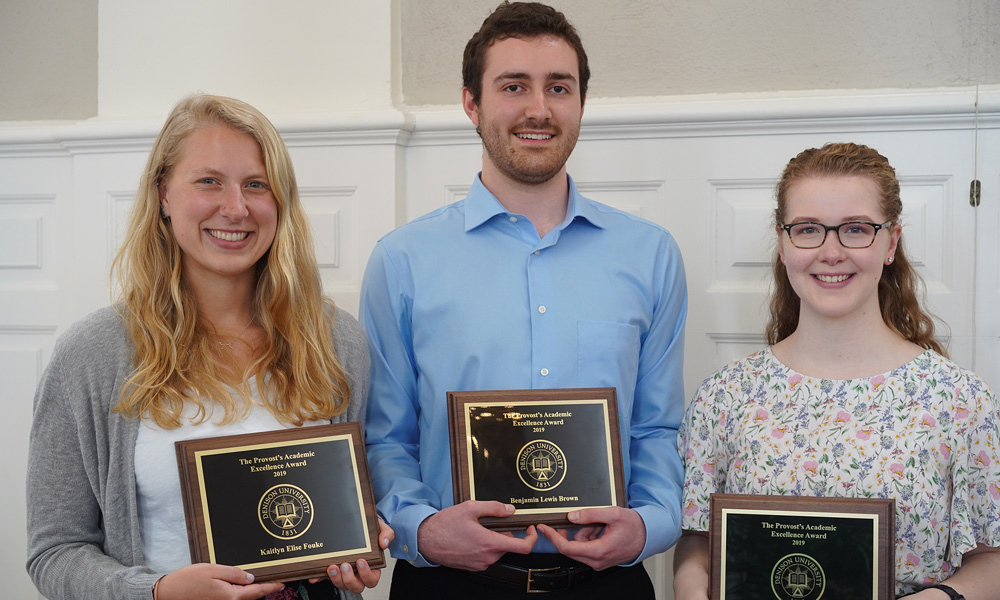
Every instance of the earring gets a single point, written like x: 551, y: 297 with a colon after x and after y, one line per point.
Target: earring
x: 890, y: 260
x: 163, y: 212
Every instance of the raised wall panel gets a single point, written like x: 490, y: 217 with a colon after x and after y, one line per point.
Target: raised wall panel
x: 23, y: 351
x: 734, y: 346
x: 28, y: 243
x: 20, y: 243
x: 742, y: 238
x: 332, y: 217
x: 454, y: 193
x: 640, y: 198
x: 928, y: 229
x: 120, y: 204
x: 104, y: 186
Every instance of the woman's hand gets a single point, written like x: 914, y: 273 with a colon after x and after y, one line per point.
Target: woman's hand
x: 691, y: 562
x: 204, y: 581
x: 344, y: 576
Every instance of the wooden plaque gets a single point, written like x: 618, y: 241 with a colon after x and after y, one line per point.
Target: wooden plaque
x: 282, y: 504
x: 808, y: 548
x: 547, y: 452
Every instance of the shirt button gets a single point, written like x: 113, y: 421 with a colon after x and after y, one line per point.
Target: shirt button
x: 513, y: 219
x: 537, y: 252
x: 541, y: 309
x: 406, y: 549
x: 544, y: 372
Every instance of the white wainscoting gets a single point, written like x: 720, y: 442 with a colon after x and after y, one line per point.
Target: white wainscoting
x: 704, y: 168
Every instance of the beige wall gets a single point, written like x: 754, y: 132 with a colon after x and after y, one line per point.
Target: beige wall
x: 48, y: 59
x: 671, y: 47
x: 59, y: 60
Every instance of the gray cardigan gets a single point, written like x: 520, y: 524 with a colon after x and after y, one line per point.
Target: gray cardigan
x: 83, y: 520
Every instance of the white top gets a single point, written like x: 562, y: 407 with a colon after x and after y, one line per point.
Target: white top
x: 161, y: 507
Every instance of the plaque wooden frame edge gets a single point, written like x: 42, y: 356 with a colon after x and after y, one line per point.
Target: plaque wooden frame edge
x: 461, y: 486
x: 884, y: 508
x: 194, y: 517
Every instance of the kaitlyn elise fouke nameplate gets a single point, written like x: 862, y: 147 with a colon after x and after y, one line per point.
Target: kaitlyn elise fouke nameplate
x: 547, y: 452
x: 801, y: 548
x: 281, y: 504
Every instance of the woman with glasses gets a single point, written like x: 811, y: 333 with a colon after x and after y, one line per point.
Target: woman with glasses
x: 221, y: 328
x: 854, y: 396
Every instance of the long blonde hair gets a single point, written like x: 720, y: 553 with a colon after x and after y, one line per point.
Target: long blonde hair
x: 897, y: 290
x: 175, y: 362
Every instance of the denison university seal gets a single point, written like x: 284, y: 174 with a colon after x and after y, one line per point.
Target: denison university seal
x: 285, y: 511
x: 541, y: 465
x: 798, y: 576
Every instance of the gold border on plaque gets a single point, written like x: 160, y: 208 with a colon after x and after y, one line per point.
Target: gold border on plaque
x: 880, y: 512
x: 607, y: 441
x: 209, y: 535
x: 201, y: 534
x: 460, y: 405
x: 874, y: 518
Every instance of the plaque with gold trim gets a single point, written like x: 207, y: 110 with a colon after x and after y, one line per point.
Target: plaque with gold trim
x: 546, y: 452
x: 801, y: 548
x: 282, y: 504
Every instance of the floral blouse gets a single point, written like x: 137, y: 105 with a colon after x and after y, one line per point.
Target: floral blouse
x: 926, y: 433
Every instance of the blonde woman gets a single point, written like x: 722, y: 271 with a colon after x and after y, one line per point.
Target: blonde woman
x: 221, y: 328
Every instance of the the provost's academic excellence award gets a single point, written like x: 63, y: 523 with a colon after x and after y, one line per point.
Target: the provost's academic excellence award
x: 547, y: 452
x: 801, y: 548
x: 281, y: 504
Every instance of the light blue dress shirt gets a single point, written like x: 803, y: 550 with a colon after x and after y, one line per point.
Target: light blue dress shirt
x: 469, y: 297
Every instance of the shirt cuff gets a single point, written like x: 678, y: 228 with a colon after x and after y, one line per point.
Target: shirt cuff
x: 405, y: 524
x: 662, y: 531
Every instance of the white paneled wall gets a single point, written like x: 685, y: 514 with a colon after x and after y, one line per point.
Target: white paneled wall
x: 704, y: 169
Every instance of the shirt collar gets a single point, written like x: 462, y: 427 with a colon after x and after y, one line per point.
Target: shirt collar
x: 481, y: 206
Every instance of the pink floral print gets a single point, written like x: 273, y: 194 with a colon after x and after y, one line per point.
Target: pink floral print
x: 926, y: 433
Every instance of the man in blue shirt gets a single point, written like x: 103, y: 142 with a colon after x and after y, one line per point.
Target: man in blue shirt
x: 524, y: 284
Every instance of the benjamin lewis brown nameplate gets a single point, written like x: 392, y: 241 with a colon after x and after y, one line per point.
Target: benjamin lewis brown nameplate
x: 547, y: 452
x: 281, y: 504
x: 802, y: 548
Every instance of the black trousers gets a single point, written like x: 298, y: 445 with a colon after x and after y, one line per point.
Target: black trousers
x: 443, y: 583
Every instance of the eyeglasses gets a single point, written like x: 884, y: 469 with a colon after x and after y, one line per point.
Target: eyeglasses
x: 854, y: 234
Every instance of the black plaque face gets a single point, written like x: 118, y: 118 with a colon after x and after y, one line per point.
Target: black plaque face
x: 785, y: 548
x: 547, y: 452
x: 282, y: 504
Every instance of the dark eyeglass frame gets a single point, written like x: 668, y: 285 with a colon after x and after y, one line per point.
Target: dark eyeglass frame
x: 828, y: 228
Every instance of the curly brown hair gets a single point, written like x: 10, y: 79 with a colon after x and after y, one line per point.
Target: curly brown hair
x: 898, y: 288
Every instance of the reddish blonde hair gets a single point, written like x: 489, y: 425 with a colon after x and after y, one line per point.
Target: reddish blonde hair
x: 897, y: 290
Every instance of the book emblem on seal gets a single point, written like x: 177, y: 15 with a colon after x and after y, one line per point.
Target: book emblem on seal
x: 798, y: 576
x: 541, y: 465
x: 285, y: 511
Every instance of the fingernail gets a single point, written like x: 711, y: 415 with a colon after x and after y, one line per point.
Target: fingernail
x: 573, y: 515
x: 362, y: 564
x: 345, y: 568
x: 509, y: 507
x: 249, y: 577
x: 385, y: 542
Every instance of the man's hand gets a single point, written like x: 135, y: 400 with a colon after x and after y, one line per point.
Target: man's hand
x: 206, y: 581
x: 623, y: 538
x: 454, y: 538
